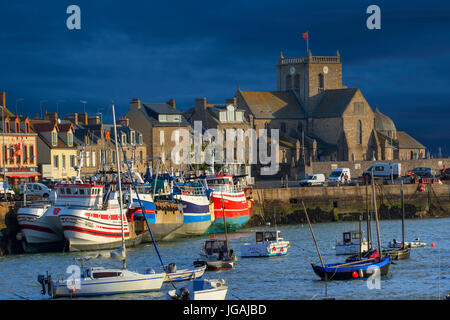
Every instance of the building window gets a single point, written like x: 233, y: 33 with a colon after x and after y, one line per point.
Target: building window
x: 141, y: 156
x: 124, y: 139
x: 321, y: 82
x: 162, y: 117
x: 63, y: 161
x: 25, y: 154
x: 133, y: 137
x: 283, y: 127
x: 11, y: 154
x: 31, y: 154
x: 161, y: 137
x: 8, y: 129
x: 54, y: 138
x: 113, y: 157
x: 358, y: 108
x: 93, y: 159
x: 17, y: 127
x: 70, y: 139
x: 297, y: 81
x: 55, y: 162
x: 359, y: 132
x: 72, y: 161
x: 5, y: 154
x: 288, y: 82
x: 88, y: 154
x: 141, y: 140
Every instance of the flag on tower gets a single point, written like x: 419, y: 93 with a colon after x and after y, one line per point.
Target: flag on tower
x: 305, y: 35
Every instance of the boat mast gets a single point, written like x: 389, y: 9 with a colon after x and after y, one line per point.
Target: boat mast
x: 119, y: 185
x: 360, y: 236
x: 225, y: 227
x: 376, y: 216
x: 312, y: 233
x: 403, y: 216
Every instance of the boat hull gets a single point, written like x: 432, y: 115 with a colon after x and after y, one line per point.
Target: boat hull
x: 185, y: 275
x: 362, y: 270
x: 197, y: 215
x: 399, y: 254
x: 130, y: 283
x: 237, y: 211
x: 264, y: 250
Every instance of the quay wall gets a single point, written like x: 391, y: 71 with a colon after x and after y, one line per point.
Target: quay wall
x: 357, y: 167
x: 345, y: 203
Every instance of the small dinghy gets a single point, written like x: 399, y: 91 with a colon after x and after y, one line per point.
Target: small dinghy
x: 353, y: 270
x: 200, y: 289
x: 174, y: 275
x: 414, y: 244
x: 268, y: 244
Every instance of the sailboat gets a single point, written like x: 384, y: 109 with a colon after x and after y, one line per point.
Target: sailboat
x: 98, y: 281
x: 404, y: 251
x: 215, y: 253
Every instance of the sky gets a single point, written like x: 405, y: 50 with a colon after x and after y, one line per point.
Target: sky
x: 182, y: 50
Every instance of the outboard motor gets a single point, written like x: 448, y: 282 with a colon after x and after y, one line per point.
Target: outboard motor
x: 184, y: 294
x: 46, y: 280
x: 171, y: 268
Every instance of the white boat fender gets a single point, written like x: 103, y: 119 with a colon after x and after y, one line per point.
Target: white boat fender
x: 361, y: 274
x: 19, y: 236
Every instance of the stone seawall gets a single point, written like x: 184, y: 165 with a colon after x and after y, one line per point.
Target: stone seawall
x: 346, y: 203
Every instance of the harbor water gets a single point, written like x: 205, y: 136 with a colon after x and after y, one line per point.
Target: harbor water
x: 426, y: 275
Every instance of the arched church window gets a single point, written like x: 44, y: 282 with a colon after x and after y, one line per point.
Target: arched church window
x: 321, y: 82
x: 297, y: 81
x: 288, y: 82
x: 359, y: 132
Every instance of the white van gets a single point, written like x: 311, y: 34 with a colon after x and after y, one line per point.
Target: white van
x: 313, y: 180
x: 338, y: 176
x: 383, y: 171
x: 35, y: 189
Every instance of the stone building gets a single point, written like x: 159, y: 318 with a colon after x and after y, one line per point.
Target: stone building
x: 160, y: 125
x: 18, y: 145
x: 56, y: 150
x: 95, y: 144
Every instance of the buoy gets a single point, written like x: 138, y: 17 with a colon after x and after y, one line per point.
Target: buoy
x: 281, y: 250
x: 421, y: 187
x: 432, y: 244
x: 274, y: 249
x: 355, y: 274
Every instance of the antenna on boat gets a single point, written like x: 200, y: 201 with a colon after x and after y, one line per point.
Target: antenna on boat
x: 119, y: 185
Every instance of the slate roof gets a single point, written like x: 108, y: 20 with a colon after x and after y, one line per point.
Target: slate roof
x: 152, y: 110
x: 273, y: 104
x: 383, y: 122
x: 405, y: 141
x: 333, y: 102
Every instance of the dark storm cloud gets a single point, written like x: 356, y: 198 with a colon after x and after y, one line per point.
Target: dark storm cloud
x: 187, y: 49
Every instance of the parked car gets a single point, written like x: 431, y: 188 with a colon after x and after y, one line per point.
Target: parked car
x: 445, y: 174
x: 35, y: 189
x: 313, y: 180
x: 339, y: 176
x: 383, y: 171
x: 423, y: 172
x: 10, y: 193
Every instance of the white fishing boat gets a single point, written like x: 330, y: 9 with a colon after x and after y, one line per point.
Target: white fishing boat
x: 351, y: 244
x: 268, y: 243
x: 201, y: 289
x: 178, y: 275
x: 101, y: 281
x: 413, y: 244
x: 216, y: 255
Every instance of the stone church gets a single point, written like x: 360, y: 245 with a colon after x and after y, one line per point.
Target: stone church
x: 325, y: 120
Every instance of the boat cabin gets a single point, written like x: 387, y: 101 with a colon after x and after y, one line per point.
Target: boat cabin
x: 350, y: 237
x: 268, y: 236
x: 222, y: 183
x: 79, y: 194
x: 214, y: 246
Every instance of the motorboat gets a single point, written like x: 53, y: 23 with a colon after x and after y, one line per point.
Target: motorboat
x: 178, y: 275
x: 216, y: 255
x: 413, y: 244
x: 351, y: 244
x: 200, y: 289
x: 268, y: 243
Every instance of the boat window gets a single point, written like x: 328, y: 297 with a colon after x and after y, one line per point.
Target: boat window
x: 259, y: 237
x: 347, y: 237
x: 355, y: 235
x: 68, y: 191
x: 270, y: 236
x: 106, y: 274
x: 82, y: 191
x: 75, y: 191
x: 61, y: 190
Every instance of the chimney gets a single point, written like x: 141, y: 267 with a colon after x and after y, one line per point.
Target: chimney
x: 3, y: 100
x: 83, y: 118
x: 230, y: 101
x: 136, y: 101
x: 93, y: 120
x: 124, y: 121
x: 200, y: 102
x: 72, y: 117
x: 52, y: 116
x: 171, y: 103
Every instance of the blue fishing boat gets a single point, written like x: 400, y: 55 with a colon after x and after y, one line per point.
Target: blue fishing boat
x: 361, y: 269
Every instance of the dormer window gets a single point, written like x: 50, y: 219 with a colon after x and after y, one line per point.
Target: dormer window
x: 27, y: 127
x: 124, y: 138
x: 70, y: 138
x: 162, y: 118
x: 7, y: 126
x: 17, y: 123
x: 133, y: 137
x: 141, y: 140
x: 54, y: 138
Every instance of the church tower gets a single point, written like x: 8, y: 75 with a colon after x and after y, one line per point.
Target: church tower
x: 310, y: 75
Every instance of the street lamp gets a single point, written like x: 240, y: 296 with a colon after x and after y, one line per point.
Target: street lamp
x: 17, y: 101
x: 40, y: 105
x: 84, y: 105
